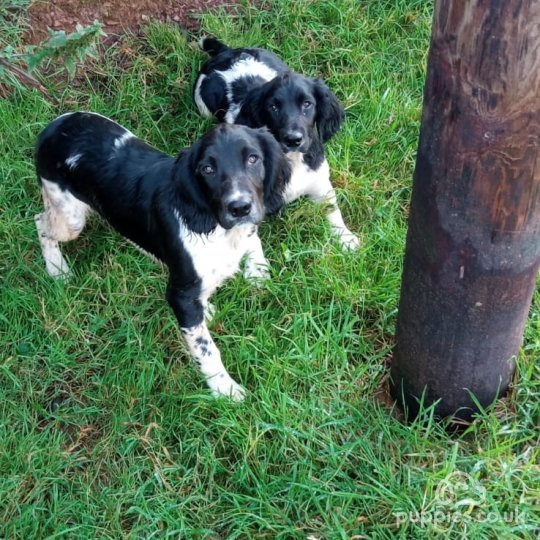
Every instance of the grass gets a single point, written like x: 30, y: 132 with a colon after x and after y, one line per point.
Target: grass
x: 107, y: 430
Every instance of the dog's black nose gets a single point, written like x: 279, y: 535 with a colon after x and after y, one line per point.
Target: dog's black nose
x: 239, y: 208
x: 293, y: 139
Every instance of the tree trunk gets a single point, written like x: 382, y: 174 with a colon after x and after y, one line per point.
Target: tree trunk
x: 473, y: 244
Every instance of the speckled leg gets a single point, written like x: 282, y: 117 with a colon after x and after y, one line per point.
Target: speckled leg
x: 208, y: 358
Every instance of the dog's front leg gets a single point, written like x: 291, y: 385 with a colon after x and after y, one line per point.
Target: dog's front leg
x: 190, y: 314
x: 207, y: 357
x: 256, y: 268
x: 322, y: 191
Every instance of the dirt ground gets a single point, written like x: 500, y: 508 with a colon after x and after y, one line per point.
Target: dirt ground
x: 115, y: 15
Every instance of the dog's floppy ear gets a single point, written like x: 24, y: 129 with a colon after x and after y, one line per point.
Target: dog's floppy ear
x: 330, y: 112
x: 196, y: 210
x: 254, y: 110
x: 251, y: 113
x: 277, y: 171
x: 185, y: 173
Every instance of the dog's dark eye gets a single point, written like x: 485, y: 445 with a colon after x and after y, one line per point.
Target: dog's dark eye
x: 274, y: 107
x: 207, y: 169
x: 307, y: 104
x: 252, y: 159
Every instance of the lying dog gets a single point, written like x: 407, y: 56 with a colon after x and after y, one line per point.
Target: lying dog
x: 255, y: 88
x: 198, y: 213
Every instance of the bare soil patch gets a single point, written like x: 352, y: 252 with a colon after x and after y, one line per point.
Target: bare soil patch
x: 117, y: 16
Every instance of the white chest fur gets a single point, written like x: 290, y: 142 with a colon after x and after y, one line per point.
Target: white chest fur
x: 305, y: 181
x: 217, y: 256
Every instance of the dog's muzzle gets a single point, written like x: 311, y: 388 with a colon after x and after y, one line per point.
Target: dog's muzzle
x: 294, y: 140
x: 241, y: 207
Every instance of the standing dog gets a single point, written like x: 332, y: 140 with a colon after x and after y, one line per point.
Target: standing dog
x: 255, y: 88
x: 198, y: 213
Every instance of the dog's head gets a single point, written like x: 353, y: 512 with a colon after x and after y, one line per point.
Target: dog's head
x: 296, y: 109
x: 237, y: 173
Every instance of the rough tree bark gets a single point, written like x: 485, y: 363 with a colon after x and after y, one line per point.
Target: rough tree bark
x: 473, y: 244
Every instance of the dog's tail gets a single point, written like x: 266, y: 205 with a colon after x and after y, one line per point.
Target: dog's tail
x: 212, y: 46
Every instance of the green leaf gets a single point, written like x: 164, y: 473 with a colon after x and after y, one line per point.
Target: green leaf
x: 71, y: 67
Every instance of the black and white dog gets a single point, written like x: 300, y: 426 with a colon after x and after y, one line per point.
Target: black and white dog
x: 198, y: 213
x: 255, y: 88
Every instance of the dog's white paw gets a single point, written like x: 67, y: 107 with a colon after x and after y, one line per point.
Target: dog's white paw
x: 348, y: 240
x: 257, y: 273
x: 224, y: 385
x: 58, y: 270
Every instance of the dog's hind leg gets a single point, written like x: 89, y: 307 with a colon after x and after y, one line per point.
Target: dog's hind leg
x: 63, y: 220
